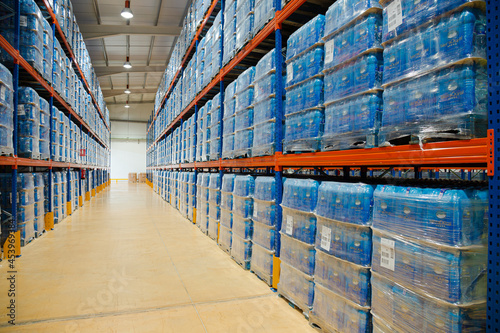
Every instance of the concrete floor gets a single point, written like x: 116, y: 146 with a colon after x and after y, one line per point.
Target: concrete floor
x: 129, y: 262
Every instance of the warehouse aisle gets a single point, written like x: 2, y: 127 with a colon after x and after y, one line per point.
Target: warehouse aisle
x: 128, y: 262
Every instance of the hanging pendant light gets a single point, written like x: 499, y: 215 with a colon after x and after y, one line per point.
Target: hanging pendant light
x: 127, y: 64
x: 127, y: 91
x: 127, y: 105
x: 127, y: 12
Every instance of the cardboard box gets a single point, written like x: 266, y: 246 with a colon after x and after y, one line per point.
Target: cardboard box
x: 132, y: 177
x: 142, y: 178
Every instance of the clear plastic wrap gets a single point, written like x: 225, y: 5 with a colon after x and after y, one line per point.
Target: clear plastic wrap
x: 244, y: 185
x: 346, y: 279
x: 229, y: 125
x: 299, y: 225
x: 305, y: 37
x: 228, y: 182
x: 361, y: 74
x: 305, y: 65
x: 454, y: 37
x: 298, y: 254
x: 346, y: 202
x: 296, y: 286
x: 346, y: 241
x: 264, y: 110
x: 353, y: 122
x: 213, y: 228
x: 243, y: 8
x: 333, y: 313
x: 244, y: 98
x: 300, y: 194
x: 214, y: 212
x: 448, y: 103
x: 264, y: 212
x: 264, y: 12
x: 453, y: 217
x: 264, y: 235
x: 225, y: 238
x: 262, y: 263
x: 399, y: 308
x: 244, y: 31
x: 305, y: 95
x: 242, y: 227
x: 265, y: 188
x: 243, y: 119
x: 342, y: 12
x: 226, y: 201
x: 242, y: 206
x: 454, y: 275
x: 228, y: 146
x: 241, y: 251
x: 303, y: 130
x: 226, y: 218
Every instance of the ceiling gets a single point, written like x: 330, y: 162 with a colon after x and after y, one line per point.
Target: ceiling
x: 148, y: 38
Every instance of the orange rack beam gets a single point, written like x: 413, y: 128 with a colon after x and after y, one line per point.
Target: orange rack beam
x: 19, y: 161
x: 27, y: 67
x: 72, y: 56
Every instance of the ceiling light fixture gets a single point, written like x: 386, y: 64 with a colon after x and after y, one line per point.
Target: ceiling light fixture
x: 127, y: 12
x: 127, y: 64
x: 126, y: 105
x: 127, y: 91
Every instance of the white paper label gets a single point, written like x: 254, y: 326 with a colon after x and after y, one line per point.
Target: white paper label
x: 2, y: 93
x: 23, y: 21
x: 395, y: 15
x: 387, y: 255
x: 326, y: 238
x: 255, y: 209
x: 289, y: 73
x: 329, y: 51
x: 289, y: 225
x: 42, y: 118
x: 20, y: 110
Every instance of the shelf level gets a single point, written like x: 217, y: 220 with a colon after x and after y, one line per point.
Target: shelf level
x: 18, y: 161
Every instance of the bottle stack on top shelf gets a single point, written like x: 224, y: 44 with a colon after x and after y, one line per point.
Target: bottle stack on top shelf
x: 226, y: 213
x: 243, y: 120
x: 342, y: 292
x: 214, y: 205
x: 265, y: 228
x: 353, y: 72
x: 241, y: 247
x: 6, y: 112
x: 304, y: 111
x: 298, y: 232
x: 244, y: 22
x: 229, y: 31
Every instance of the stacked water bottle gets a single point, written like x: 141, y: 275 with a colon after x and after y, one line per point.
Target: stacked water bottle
x: 39, y: 196
x: 353, y: 71
x: 229, y: 31
x: 244, y: 22
x: 200, y: 130
x: 63, y: 195
x: 264, y: 105
x: 265, y: 228
x: 435, y: 76
x: 25, y: 203
x: 75, y: 189
x: 264, y: 12
x: 298, y: 232
x: 242, y: 229
x: 28, y: 115
x: 228, y: 142
x: 209, y: 54
x: 44, y: 133
x: 205, y: 154
x: 48, y: 50
x: 182, y: 186
x: 243, y: 121
x: 57, y: 199
x: 202, y: 201
x: 304, y: 112
x: 429, y: 258
x: 6, y: 112
x: 191, y: 195
x: 31, y: 37
x: 226, y: 213
x: 215, y: 129
x: 342, y: 292
x: 214, y: 205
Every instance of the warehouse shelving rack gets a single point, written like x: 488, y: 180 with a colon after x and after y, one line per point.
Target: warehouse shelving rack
x: 475, y: 154
x: 23, y: 72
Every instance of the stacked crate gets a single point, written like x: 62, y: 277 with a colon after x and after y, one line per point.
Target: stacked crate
x: 264, y: 105
x: 265, y: 228
x: 214, y: 206
x: 6, y: 112
x: 202, y: 203
x: 215, y: 128
x: 226, y: 213
x: 28, y: 123
x: 229, y: 31
x: 201, y: 127
x: 244, y: 22
x: 435, y: 78
x: 191, y: 195
x: 64, y: 194
x: 353, y: 71
x: 243, y: 121
x: 298, y: 232
x: 229, y: 120
x: 183, y: 193
x: 242, y: 229
x: 48, y: 50
x: 39, y: 195
x: 57, y: 197
x: 342, y: 291
x: 55, y: 152
x: 44, y: 132
x: 264, y: 12
x: 304, y: 112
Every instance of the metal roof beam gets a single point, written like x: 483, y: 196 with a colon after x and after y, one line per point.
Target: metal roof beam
x: 113, y: 70
x: 90, y: 31
x: 118, y: 92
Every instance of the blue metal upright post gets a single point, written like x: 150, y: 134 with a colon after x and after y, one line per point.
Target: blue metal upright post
x: 493, y: 50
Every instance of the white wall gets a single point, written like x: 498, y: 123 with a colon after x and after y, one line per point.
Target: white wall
x: 128, y: 148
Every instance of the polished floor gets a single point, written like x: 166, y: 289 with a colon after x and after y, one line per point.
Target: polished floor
x: 128, y: 262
